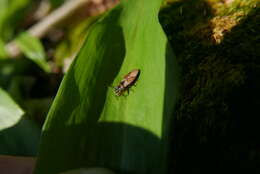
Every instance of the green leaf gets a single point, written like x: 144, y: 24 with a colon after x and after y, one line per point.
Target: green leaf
x: 18, y: 135
x: 10, y: 112
x: 88, y: 125
x: 33, y: 49
x: 73, y: 41
x: 56, y: 3
x: 11, y: 13
x: 3, y: 53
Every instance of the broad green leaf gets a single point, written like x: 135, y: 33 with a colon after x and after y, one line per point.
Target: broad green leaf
x: 88, y: 125
x: 33, y: 49
x: 18, y: 135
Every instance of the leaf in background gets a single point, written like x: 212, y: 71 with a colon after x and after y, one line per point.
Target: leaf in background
x: 10, y: 112
x: 3, y: 53
x: 33, y: 50
x: 56, y: 3
x: 88, y: 125
x: 11, y: 12
x: 74, y: 40
x: 18, y: 135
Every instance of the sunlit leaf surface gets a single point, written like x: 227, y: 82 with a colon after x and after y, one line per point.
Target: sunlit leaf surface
x: 88, y: 125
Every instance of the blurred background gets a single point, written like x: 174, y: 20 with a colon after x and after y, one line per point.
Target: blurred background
x: 217, y: 46
x: 38, y: 41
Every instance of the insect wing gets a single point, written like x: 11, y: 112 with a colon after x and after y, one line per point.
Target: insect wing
x: 130, y: 78
x: 129, y: 81
x: 133, y: 73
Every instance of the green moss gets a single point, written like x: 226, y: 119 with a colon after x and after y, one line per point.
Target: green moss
x: 218, y: 48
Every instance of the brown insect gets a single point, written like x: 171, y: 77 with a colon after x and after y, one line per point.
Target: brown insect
x: 128, y: 81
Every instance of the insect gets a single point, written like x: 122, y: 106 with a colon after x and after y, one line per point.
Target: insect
x: 128, y: 81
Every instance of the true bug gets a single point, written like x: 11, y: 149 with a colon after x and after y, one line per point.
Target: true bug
x: 128, y: 81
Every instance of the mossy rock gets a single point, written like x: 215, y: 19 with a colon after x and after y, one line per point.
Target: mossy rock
x: 217, y: 46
